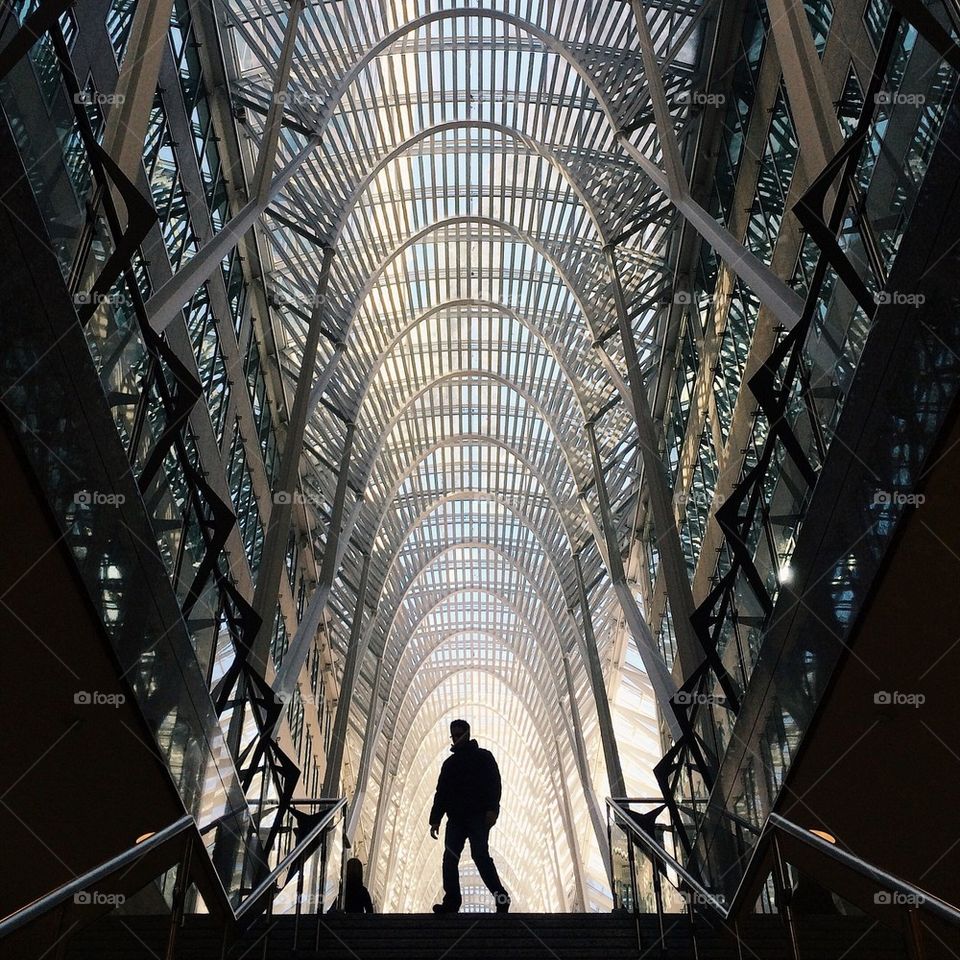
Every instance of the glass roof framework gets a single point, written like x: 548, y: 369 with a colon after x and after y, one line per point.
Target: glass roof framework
x: 466, y: 168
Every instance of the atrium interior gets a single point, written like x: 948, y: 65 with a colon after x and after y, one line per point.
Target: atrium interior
x: 587, y: 370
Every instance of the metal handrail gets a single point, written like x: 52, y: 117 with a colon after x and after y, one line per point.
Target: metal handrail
x: 186, y: 824
x: 775, y: 822
x: 692, y: 807
x: 268, y: 881
x: 661, y: 854
x: 53, y: 899
x: 726, y: 814
x: 918, y: 897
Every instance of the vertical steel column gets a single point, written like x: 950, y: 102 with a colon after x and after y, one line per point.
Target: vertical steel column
x: 653, y: 663
x: 776, y: 295
x: 267, y: 157
x: 287, y: 485
x: 669, y: 145
x: 689, y: 651
x: 169, y: 297
x: 610, y: 752
x: 571, y: 829
x: 323, y: 381
x: 811, y: 105
x: 371, y: 732
x: 386, y: 788
x: 312, y: 615
x: 331, y: 773
x: 296, y: 654
x: 580, y: 755
x: 128, y: 119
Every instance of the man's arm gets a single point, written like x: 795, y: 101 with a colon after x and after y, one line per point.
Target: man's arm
x: 494, y: 789
x: 440, y: 800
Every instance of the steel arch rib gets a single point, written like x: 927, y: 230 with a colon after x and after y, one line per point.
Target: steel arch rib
x: 469, y: 544
x: 494, y: 222
x: 402, y: 740
x: 517, y: 612
x: 496, y: 378
x: 479, y: 439
x: 773, y: 292
x: 503, y: 308
x: 466, y: 495
x: 779, y: 297
x: 532, y: 144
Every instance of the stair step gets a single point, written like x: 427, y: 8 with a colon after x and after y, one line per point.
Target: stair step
x: 516, y: 936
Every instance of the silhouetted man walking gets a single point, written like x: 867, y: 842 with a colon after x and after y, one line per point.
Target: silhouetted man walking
x: 468, y: 792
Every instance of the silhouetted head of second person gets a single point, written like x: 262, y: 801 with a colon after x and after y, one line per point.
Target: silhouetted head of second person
x: 354, y: 875
x: 459, y: 732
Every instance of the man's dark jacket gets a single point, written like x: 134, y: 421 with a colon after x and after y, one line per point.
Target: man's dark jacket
x: 469, y: 784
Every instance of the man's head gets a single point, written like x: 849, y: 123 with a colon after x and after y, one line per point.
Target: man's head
x: 459, y: 731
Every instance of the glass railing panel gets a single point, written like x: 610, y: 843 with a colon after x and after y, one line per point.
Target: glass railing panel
x: 621, y: 876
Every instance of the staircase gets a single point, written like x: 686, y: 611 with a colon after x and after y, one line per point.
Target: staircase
x: 515, y: 936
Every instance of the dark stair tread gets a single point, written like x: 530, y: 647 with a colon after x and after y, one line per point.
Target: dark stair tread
x: 473, y: 936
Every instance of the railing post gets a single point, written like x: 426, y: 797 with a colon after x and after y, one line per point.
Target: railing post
x: 179, y: 898
x: 692, y: 914
x: 658, y: 895
x: 323, y: 870
x: 782, y: 883
x: 61, y: 939
x: 613, y: 886
x: 269, y: 914
x: 632, y: 863
x: 298, y: 908
x: 344, y: 846
x: 915, y: 935
x: 320, y: 891
x: 635, y: 902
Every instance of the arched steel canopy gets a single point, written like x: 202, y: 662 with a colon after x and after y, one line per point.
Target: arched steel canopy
x: 491, y: 181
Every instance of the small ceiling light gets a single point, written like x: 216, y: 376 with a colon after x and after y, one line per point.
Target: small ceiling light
x: 144, y: 836
x: 823, y: 835
x: 785, y: 573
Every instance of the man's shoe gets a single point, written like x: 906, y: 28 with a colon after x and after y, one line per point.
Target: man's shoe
x: 443, y: 908
x: 503, y: 902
